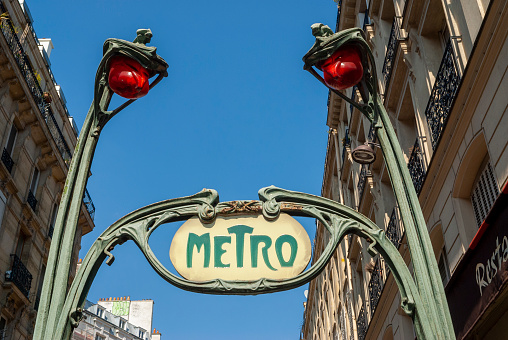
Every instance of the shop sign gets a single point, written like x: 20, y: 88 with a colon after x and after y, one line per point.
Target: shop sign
x: 240, y: 248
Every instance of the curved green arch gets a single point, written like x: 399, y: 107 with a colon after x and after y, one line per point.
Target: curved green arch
x: 339, y: 220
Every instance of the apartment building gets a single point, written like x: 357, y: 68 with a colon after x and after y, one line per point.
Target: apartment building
x: 442, y: 74
x: 117, y: 318
x: 37, y: 136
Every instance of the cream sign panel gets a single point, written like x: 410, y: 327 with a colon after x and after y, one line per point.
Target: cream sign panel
x: 240, y: 248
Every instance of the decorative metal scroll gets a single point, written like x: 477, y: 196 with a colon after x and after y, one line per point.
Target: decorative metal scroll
x: 139, y: 225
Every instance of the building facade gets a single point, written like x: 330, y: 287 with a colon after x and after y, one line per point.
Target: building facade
x: 37, y: 137
x: 442, y: 74
x: 117, y: 318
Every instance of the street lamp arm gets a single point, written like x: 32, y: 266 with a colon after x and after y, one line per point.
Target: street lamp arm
x: 59, y: 261
x: 422, y: 255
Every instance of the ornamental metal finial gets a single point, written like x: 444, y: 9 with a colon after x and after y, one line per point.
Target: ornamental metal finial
x: 144, y: 35
x: 321, y: 30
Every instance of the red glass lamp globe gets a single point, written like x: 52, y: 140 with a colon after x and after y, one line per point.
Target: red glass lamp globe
x: 343, y: 69
x: 127, y: 78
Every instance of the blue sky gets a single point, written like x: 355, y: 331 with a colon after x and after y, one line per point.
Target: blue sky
x: 237, y: 113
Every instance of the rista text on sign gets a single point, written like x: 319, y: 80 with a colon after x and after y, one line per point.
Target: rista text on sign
x: 242, y: 248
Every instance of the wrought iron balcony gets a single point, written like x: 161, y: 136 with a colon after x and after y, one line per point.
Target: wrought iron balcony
x: 25, y: 66
x: 7, y: 160
x: 339, y: 7
x: 375, y: 286
x: 415, y: 166
x: 90, y: 207
x: 26, y: 69
x: 392, y: 230
x: 19, y: 275
x: 361, y: 324
x: 343, y: 327
x: 391, y: 52
x: 442, y: 95
x: 346, y: 143
x: 366, y: 20
x: 349, y: 302
x: 353, y: 97
x: 361, y: 181
x: 31, y: 200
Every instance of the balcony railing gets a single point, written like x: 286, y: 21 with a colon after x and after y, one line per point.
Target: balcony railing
x: 361, y: 181
x: 391, y: 52
x: 353, y: 97
x: 19, y: 275
x: 375, y: 286
x: 89, y: 204
x: 361, y: 324
x: 339, y: 7
x: 349, y: 302
x: 343, y: 327
x: 442, y: 95
x: 392, y: 230
x: 7, y: 160
x: 31, y: 200
x: 346, y: 143
x: 25, y: 66
x: 415, y: 166
x: 366, y: 20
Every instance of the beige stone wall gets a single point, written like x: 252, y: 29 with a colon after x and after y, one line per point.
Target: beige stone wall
x: 34, y: 147
x: 476, y: 131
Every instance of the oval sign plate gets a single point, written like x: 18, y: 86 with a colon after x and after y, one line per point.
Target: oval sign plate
x: 240, y: 248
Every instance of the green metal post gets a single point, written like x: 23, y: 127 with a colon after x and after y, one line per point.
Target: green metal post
x: 428, y: 280
x: 56, y: 280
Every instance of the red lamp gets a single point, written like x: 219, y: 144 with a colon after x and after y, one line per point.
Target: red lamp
x: 343, y: 69
x: 128, y: 78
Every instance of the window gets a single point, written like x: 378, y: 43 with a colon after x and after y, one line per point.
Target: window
x: 3, y: 202
x: 3, y: 328
x: 21, y: 244
x: 9, y: 146
x: 52, y: 220
x: 39, y: 287
x: 99, y: 337
x: 444, y: 269
x: 12, y: 139
x: 35, y: 181
x: 141, y: 334
x: 100, y: 312
x: 31, y: 200
x: 484, y: 193
x: 122, y: 323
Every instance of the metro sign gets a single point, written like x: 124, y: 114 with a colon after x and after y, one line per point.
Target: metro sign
x: 241, y: 248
